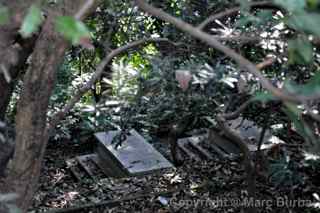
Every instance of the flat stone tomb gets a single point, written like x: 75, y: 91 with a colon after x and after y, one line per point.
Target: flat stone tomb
x: 135, y: 156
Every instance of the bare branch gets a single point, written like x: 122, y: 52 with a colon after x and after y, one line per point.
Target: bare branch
x: 85, y: 9
x: 266, y: 63
x: 236, y: 114
x: 5, y: 73
x: 241, y: 143
x: 233, y: 11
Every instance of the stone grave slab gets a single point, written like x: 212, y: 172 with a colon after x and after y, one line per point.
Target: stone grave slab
x: 85, y: 166
x: 222, y: 146
x: 251, y: 132
x: 134, y: 157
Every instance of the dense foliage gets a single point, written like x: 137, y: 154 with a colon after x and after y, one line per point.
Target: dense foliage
x: 190, y: 79
x: 144, y: 79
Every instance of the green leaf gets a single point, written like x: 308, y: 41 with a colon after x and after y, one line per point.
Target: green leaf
x: 73, y: 30
x: 244, y: 21
x: 31, y: 22
x: 309, y: 89
x: 263, y: 97
x: 265, y: 16
x: 4, y: 15
x: 258, y: 20
x: 300, y: 51
x: 306, y: 22
x: 312, y: 4
x: 294, y: 113
x: 293, y: 109
x: 291, y: 5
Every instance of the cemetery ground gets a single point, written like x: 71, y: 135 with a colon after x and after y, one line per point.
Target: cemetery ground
x: 199, y: 185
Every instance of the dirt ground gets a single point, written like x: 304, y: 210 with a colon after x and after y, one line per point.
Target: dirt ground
x: 198, y: 186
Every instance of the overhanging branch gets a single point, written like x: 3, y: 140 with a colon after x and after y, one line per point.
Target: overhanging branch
x: 235, y: 10
x: 96, y: 75
x: 242, y: 61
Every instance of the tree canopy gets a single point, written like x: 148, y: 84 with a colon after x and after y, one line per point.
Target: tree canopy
x: 160, y: 67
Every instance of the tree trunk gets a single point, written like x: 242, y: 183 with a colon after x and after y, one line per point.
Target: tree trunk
x: 31, y: 118
x: 11, y: 54
x: 31, y: 137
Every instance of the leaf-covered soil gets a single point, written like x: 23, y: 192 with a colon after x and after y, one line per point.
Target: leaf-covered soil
x: 202, y: 186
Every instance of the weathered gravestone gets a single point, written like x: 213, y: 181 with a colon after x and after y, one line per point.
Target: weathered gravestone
x: 134, y: 157
x: 251, y: 133
x: 224, y: 146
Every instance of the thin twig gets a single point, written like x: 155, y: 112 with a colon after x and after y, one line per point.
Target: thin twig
x: 235, y: 114
x: 232, y: 11
x: 84, y: 9
x: 263, y: 132
x: 266, y: 63
x: 5, y: 73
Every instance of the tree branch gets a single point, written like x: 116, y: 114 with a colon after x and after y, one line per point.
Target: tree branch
x: 96, y: 75
x: 85, y: 9
x: 233, y: 11
x: 236, y: 114
x: 247, y: 160
x: 242, y: 62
